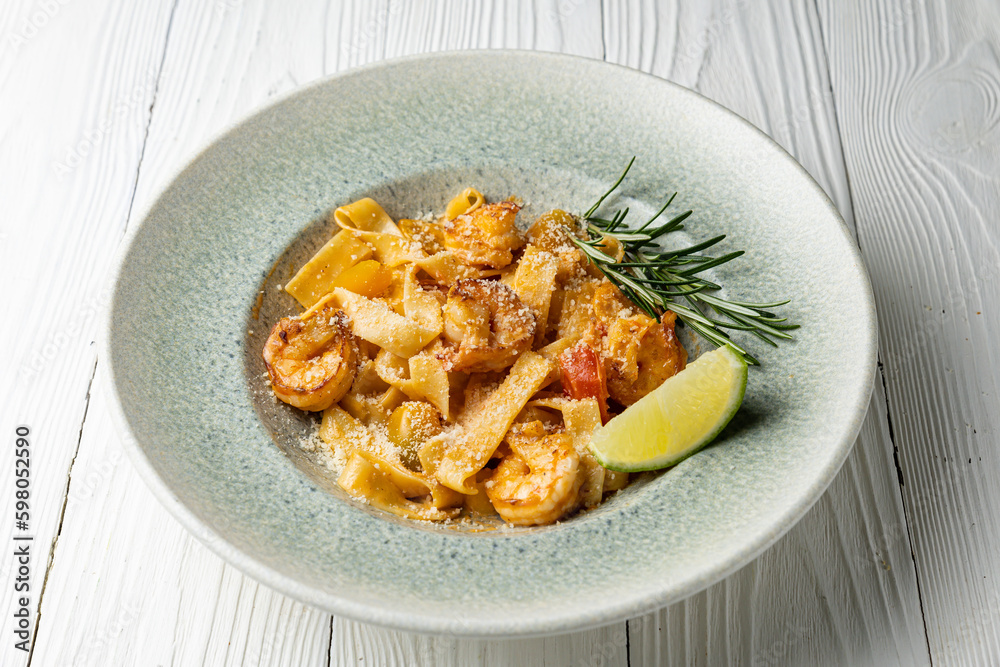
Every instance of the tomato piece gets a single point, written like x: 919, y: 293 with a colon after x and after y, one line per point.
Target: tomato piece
x: 582, y: 376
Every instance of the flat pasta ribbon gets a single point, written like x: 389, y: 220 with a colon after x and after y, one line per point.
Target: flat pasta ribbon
x: 471, y: 452
x: 374, y: 226
x: 316, y: 277
x: 376, y: 323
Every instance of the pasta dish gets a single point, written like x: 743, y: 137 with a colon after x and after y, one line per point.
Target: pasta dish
x: 461, y: 364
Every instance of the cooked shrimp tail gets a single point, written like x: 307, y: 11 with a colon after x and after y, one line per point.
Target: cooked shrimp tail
x: 486, y: 327
x: 539, y: 482
x: 486, y: 236
x: 311, y: 362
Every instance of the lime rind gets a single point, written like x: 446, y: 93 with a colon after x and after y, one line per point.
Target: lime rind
x: 672, y: 452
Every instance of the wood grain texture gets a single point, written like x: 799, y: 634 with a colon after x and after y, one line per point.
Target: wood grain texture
x: 840, y: 588
x: 565, y: 26
x: 71, y: 138
x: 917, y: 88
x: 359, y: 644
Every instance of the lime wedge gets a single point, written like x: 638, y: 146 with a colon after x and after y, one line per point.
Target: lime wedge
x: 678, y: 418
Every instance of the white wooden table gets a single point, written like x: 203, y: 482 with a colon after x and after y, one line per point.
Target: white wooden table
x: 892, y: 105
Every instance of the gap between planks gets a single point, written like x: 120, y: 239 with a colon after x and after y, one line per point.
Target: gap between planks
x: 880, y: 368
x: 62, y: 513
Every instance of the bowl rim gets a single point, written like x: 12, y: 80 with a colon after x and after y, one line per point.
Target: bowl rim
x: 617, y: 611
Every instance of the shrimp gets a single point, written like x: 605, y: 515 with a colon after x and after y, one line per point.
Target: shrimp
x: 486, y: 327
x: 487, y: 236
x: 551, y: 232
x: 641, y: 355
x: 539, y: 481
x: 638, y: 353
x: 311, y: 362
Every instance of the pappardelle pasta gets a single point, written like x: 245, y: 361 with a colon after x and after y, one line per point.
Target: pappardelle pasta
x: 461, y: 364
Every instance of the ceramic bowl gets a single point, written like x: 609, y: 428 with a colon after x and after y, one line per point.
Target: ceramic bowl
x: 198, y: 288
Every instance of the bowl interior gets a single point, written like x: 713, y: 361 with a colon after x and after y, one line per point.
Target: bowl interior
x: 186, y: 326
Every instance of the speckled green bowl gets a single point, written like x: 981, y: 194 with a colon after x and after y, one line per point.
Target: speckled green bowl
x: 183, y: 341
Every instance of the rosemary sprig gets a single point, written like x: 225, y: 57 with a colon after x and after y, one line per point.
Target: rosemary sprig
x: 657, y: 280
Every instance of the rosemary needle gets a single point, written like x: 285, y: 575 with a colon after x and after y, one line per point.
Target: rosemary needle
x: 657, y: 280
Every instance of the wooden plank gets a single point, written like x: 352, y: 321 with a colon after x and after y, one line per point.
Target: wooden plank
x: 916, y: 88
x: 77, y: 80
x: 840, y: 587
x: 129, y: 585
x: 565, y: 26
x: 360, y: 644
